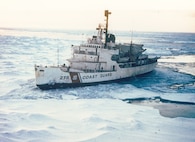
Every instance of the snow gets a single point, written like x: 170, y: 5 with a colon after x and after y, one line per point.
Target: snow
x: 182, y: 63
x: 88, y: 120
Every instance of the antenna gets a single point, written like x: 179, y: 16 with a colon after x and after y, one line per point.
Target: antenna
x: 131, y: 44
x: 58, y: 58
x: 131, y: 36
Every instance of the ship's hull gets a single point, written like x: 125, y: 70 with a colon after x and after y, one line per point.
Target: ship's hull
x: 74, y: 85
x: 59, y: 77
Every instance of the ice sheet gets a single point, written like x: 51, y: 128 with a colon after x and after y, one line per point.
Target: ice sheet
x: 90, y: 120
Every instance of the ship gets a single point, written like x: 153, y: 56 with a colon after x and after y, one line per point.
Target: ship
x: 99, y: 60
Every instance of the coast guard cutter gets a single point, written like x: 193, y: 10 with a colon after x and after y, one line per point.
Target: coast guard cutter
x: 99, y: 60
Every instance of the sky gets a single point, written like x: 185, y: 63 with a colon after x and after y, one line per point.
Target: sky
x: 136, y: 15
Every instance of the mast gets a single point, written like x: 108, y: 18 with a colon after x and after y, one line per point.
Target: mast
x: 106, y: 14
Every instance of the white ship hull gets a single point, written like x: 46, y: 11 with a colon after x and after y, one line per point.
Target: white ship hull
x: 57, y: 77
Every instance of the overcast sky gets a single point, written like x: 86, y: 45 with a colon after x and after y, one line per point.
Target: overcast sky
x: 136, y: 15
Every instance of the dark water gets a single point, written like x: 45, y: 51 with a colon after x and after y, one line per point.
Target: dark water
x: 167, y: 108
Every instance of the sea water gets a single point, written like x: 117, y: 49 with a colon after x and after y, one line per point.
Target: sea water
x: 158, y: 106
